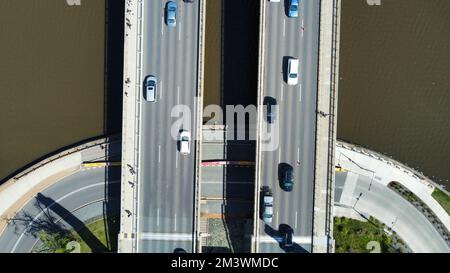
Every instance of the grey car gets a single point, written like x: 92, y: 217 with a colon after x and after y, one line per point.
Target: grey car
x: 150, y: 88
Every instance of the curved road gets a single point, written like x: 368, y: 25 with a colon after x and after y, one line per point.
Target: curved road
x: 367, y: 196
x: 76, y: 198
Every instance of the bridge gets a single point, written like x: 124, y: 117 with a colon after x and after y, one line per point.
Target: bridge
x: 167, y: 195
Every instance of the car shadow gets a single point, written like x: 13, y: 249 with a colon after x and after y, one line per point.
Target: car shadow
x: 277, y: 235
x: 286, y: 7
x: 284, y: 68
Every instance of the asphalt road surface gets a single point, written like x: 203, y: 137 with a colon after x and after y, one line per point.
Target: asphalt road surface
x: 377, y: 200
x: 166, y: 178
x: 291, y: 37
x: 75, y: 199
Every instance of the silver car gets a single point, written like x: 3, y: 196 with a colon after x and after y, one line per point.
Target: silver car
x: 150, y: 88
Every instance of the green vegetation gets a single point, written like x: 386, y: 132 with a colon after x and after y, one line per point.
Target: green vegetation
x: 353, y: 236
x: 96, y: 236
x: 442, y: 198
x: 54, y: 242
x: 104, y: 241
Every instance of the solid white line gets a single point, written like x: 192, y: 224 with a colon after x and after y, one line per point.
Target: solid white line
x: 178, y: 95
x: 296, y: 239
x: 165, y: 236
x: 298, y: 154
x: 284, y: 27
x: 162, y: 25
x: 157, y: 217
x: 277, y: 219
x: 296, y: 220
x: 159, y: 153
x: 51, y: 205
x: 228, y: 182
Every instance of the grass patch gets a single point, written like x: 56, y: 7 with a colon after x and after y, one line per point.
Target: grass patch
x: 442, y: 198
x: 353, y: 236
x: 105, y: 232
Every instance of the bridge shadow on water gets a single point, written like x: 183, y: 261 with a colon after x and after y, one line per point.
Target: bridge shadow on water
x: 240, y: 28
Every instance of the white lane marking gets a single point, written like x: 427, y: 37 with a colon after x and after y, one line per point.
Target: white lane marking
x: 279, y: 155
x: 178, y: 95
x: 176, y: 160
x: 281, y: 97
x: 296, y: 220
x: 298, y: 154
x: 159, y: 153
x: 303, y: 27
x: 284, y: 27
x: 175, y: 222
x: 165, y: 236
x: 228, y: 182
x: 51, y: 205
x: 277, y: 239
x: 157, y: 217
x: 162, y: 25
x: 179, y: 33
x: 277, y: 219
x: 300, y: 97
x: 160, y: 90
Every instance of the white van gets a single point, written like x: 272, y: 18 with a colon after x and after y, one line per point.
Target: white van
x: 292, y: 71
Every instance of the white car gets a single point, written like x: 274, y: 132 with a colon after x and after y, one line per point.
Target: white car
x: 185, y: 142
x: 292, y: 71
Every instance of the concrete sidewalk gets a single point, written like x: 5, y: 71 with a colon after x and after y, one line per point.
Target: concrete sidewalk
x: 383, y: 170
x: 130, y: 127
x: 17, y: 191
x: 326, y: 125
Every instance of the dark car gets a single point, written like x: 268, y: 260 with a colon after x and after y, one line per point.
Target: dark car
x: 270, y: 108
x: 287, y: 177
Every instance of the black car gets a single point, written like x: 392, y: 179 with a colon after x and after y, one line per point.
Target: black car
x: 287, y: 178
x: 270, y: 108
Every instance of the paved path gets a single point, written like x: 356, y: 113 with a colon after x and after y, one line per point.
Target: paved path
x: 364, y: 188
x: 74, y: 199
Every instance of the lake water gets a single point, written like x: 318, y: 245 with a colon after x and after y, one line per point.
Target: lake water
x: 52, y: 77
x: 394, y: 89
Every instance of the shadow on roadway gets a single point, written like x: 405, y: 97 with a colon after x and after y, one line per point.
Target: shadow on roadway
x: 277, y: 235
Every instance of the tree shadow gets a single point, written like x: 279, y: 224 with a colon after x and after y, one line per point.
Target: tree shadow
x: 76, y: 224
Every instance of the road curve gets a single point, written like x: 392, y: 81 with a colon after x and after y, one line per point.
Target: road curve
x: 72, y: 199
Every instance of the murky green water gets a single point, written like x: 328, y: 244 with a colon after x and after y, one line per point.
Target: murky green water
x: 51, y: 77
x: 394, y: 90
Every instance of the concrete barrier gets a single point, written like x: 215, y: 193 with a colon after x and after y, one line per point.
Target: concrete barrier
x: 326, y: 125
x: 19, y: 190
x: 259, y: 120
x: 131, y: 122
